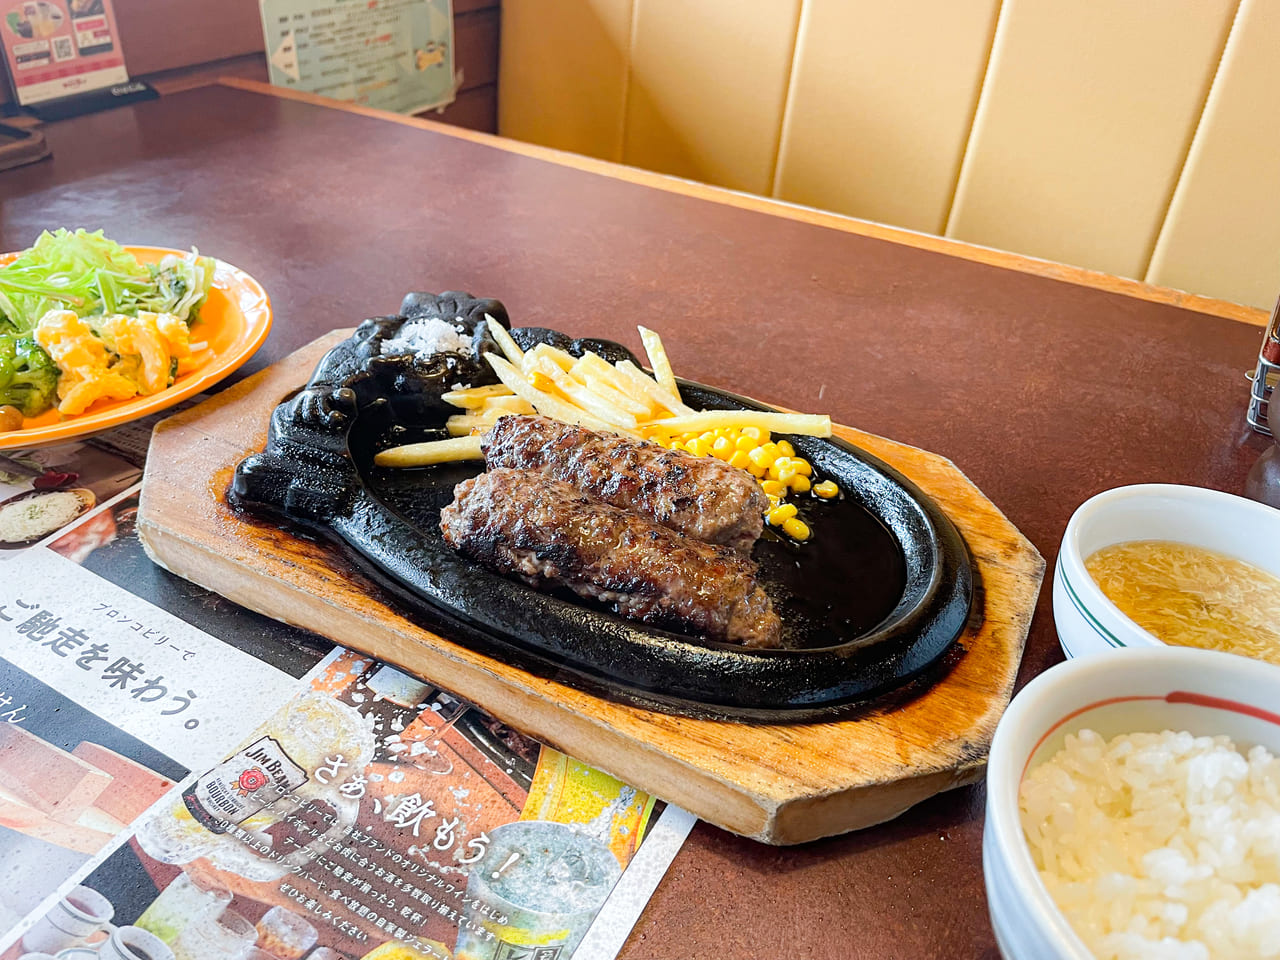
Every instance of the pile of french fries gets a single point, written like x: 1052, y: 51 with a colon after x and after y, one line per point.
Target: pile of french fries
x: 588, y: 391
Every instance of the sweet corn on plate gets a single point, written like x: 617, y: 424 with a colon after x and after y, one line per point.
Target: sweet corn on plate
x: 622, y: 398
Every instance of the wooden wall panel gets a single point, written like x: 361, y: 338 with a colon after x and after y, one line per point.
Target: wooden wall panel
x: 1084, y: 120
x: 707, y: 88
x: 1222, y: 234
x: 882, y: 99
x: 475, y: 47
x: 563, y: 73
x: 161, y: 34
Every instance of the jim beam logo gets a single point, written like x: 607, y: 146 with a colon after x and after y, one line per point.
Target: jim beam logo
x: 237, y: 788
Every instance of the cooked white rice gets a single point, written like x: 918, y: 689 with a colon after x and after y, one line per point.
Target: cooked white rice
x: 1162, y: 846
x: 427, y: 337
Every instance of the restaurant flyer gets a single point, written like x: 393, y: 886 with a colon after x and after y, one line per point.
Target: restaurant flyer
x: 59, y: 48
x: 183, y: 778
x: 42, y: 491
x: 391, y: 54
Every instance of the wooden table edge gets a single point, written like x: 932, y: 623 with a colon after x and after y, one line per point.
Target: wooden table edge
x: 1080, y: 276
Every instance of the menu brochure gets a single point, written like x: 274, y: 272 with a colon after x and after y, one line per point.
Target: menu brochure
x: 182, y: 778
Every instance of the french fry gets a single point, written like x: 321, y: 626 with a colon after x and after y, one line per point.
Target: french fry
x: 592, y: 364
x: 504, y: 341
x: 510, y: 404
x: 432, y: 452
x: 545, y: 403
x: 802, y: 424
x: 474, y: 398
x: 556, y: 356
x: 638, y: 408
x: 583, y: 397
x: 462, y: 424
x: 660, y: 362
x: 639, y: 380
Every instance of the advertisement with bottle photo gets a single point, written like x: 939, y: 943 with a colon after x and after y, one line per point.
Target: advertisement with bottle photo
x: 169, y: 788
x: 375, y: 816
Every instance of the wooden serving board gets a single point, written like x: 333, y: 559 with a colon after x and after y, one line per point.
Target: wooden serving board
x: 779, y: 783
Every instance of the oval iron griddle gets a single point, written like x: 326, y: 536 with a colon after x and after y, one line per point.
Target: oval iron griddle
x: 860, y: 618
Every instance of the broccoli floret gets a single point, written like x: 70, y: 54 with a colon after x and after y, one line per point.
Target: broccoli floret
x: 28, y: 376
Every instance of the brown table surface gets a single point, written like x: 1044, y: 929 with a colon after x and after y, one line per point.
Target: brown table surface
x: 1044, y: 391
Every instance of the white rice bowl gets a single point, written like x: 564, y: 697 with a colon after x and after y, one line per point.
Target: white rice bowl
x: 1160, y: 845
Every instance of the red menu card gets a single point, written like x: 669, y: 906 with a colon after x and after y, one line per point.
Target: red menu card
x: 59, y: 48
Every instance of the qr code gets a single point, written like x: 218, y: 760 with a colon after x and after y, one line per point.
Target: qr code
x: 62, y: 49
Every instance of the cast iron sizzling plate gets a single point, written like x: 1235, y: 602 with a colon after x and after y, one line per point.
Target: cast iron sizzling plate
x: 873, y: 601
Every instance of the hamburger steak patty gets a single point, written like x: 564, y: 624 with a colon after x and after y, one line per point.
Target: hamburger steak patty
x: 546, y: 532
x: 701, y: 497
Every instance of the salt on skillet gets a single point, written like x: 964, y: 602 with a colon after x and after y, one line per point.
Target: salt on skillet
x: 425, y: 338
x: 1161, y: 846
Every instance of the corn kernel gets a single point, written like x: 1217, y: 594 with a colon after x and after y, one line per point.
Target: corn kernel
x: 746, y: 443
x: 786, y: 449
x: 722, y: 447
x: 800, y: 483
x: 755, y: 470
x: 740, y: 459
x: 781, y: 513
x: 708, y: 438
x: 699, y: 447
x: 802, y: 466
x: 774, y: 487
x: 787, y: 471
x: 796, y: 529
x: 826, y: 489
x: 755, y: 433
x: 762, y: 457
x: 774, y: 500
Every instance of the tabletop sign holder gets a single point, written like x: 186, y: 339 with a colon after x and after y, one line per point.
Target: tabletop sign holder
x: 65, y: 60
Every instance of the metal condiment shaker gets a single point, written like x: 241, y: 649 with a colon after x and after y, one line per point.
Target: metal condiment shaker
x: 1265, y: 374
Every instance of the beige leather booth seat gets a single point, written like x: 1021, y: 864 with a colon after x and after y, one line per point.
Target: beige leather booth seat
x: 1136, y: 137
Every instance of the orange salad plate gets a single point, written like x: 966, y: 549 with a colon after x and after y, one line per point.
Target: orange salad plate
x: 234, y: 322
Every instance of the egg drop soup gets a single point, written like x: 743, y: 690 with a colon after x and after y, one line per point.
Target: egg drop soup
x: 1192, y: 597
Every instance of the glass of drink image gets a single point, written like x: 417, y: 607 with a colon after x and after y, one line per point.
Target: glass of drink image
x: 215, y: 938
x: 82, y: 912
x: 285, y: 935
x: 186, y: 899
x: 133, y: 943
x: 548, y: 880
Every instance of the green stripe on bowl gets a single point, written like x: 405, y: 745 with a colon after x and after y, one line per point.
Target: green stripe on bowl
x: 1102, y: 631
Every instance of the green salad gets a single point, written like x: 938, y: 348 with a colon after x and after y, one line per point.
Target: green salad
x: 106, y: 289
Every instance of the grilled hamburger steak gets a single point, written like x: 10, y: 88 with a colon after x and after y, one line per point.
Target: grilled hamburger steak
x: 548, y: 533
x: 701, y: 497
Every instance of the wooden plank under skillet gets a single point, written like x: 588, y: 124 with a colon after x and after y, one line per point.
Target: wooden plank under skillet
x: 779, y: 783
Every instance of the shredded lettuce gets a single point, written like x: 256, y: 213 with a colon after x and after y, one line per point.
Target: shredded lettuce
x: 91, y: 275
